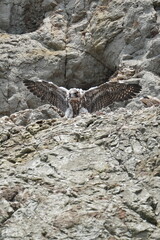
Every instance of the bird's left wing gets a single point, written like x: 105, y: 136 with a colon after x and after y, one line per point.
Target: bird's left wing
x: 107, y: 93
x: 49, y: 92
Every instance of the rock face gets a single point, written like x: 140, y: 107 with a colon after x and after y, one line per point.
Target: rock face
x: 96, y: 176
x: 75, y: 44
x: 92, y: 177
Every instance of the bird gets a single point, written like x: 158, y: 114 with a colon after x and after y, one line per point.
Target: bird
x: 150, y: 101
x: 73, y: 102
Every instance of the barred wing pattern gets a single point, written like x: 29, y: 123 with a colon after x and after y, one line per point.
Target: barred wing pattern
x: 49, y: 92
x: 75, y: 101
x: 107, y: 93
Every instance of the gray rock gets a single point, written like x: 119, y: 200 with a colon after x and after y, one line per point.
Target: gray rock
x: 55, y: 170
x: 75, y: 45
x: 95, y: 176
x: 43, y: 112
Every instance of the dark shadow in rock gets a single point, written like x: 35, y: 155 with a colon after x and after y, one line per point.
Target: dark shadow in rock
x: 19, y: 17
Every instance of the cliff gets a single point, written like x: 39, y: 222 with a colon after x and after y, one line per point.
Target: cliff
x: 95, y: 176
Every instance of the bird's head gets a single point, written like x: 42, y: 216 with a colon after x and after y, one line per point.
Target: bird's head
x: 74, y: 93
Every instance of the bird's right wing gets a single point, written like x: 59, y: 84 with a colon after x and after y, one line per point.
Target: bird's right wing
x: 107, y: 93
x: 49, y: 92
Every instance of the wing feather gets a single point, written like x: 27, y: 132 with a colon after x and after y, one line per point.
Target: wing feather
x: 49, y: 92
x: 107, y: 93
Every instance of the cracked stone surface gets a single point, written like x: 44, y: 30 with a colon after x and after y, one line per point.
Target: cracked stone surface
x: 92, y: 177
x: 95, y: 177
x: 75, y: 44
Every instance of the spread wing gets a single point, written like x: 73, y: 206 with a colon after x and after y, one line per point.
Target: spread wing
x: 49, y: 92
x: 107, y: 93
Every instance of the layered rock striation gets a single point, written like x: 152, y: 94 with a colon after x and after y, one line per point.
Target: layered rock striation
x: 95, y: 176
x: 90, y: 177
x: 75, y: 44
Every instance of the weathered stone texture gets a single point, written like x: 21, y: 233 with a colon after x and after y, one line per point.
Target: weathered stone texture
x: 96, y: 176
x: 92, y: 177
x: 74, y: 43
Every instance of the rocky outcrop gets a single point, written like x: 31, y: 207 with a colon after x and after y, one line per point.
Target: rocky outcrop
x: 95, y: 176
x: 75, y: 44
x: 91, y: 177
